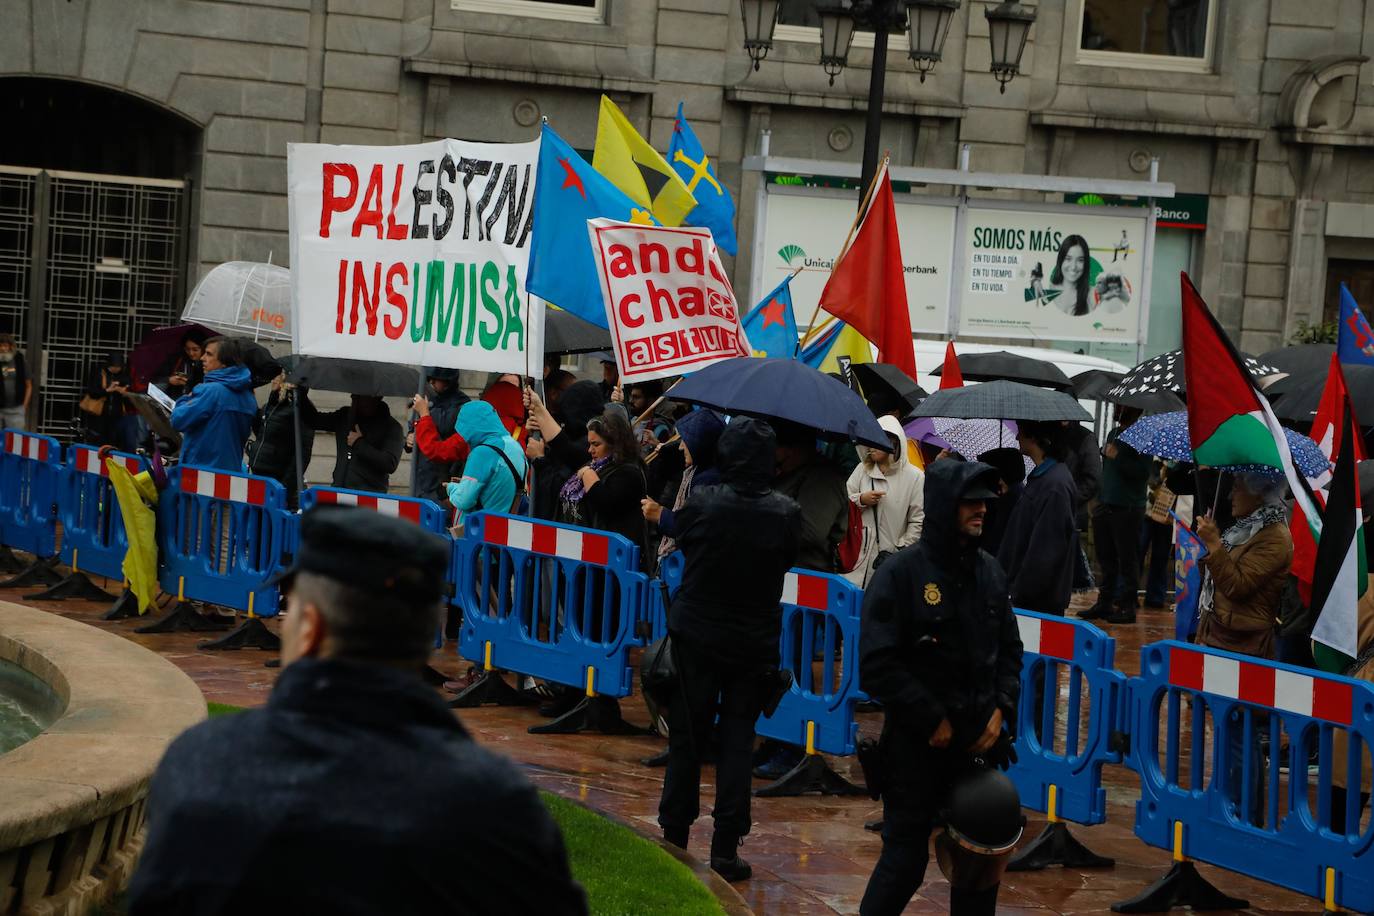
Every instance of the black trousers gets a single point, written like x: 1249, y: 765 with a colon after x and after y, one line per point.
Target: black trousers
x: 1116, y: 535
x: 709, y: 690
x: 917, y: 781
x: 1157, y: 538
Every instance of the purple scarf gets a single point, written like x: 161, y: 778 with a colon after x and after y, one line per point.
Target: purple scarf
x: 573, y: 491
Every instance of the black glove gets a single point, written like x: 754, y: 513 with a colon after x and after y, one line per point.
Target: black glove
x: 1002, y: 754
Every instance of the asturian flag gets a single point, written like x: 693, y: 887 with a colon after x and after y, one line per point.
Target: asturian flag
x: 1354, y: 339
x: 714, y: 210
x: 771, y: 326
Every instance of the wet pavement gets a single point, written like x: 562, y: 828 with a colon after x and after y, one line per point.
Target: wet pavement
x: 810, y: 854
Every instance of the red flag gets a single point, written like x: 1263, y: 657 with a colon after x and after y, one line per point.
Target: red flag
x: 1326, y: 432
x: 950, y: 376
x: 867, y: 287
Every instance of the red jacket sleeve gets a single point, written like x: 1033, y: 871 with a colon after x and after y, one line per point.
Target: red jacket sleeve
x: 445, y: 451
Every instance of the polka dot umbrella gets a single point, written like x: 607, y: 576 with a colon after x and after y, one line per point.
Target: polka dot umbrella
x: 1165, y: 435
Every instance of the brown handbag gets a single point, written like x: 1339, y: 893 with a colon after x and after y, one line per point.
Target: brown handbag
x: 93, y: 406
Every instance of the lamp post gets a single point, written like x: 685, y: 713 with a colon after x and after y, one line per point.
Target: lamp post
x: 927, y: 23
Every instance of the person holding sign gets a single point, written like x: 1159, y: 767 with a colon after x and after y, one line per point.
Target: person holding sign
x: 368, y: 439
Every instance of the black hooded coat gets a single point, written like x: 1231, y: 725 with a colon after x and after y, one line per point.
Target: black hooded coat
x: 567, y: 451
x: 739, y: 538
x: 938, y: 638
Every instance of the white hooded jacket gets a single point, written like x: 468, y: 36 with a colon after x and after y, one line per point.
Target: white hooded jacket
x: 895, y: 522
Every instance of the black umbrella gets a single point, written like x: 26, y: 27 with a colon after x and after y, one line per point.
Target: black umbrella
x: 1299, y: 359
x: 352, y: 376
x: 887, y: 388
x: 1002, y: 400
x: 1165, y: 373
x: 1299, y: 403
x: 566, y: 333
x: 1094, y: 384
x: 1003, y: 366
x: 783, y: 389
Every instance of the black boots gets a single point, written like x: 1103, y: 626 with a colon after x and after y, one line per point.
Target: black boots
x: 677, y: 836
x: 725, y: 860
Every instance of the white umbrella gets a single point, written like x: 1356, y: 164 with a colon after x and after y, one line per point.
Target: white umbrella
x: 246, y: 298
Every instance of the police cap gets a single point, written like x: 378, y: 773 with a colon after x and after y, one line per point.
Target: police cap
x: 374, y: 552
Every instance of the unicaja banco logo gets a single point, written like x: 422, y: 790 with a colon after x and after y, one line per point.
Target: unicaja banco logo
x: 790, y: 254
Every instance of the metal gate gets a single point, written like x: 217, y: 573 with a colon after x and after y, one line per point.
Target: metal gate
x: 88, y: 265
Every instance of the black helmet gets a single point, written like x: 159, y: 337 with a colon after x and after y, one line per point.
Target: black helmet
x: 984, y: 810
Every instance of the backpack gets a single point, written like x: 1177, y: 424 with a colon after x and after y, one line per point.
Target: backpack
x: 851, y: 546
x: 515, y: 475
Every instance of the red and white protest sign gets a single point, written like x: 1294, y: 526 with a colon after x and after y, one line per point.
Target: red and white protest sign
x: 669, y: 304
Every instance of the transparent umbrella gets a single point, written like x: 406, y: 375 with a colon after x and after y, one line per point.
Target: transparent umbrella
x: 244, y: 298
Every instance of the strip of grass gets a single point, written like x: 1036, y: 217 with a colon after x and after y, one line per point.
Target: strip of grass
x: 622, y: 872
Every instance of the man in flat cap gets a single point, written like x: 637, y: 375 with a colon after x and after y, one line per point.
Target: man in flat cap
x: 352, y: 790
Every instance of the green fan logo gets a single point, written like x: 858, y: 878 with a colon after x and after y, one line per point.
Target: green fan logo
x: 1091, y: 200
x: 790, y: 253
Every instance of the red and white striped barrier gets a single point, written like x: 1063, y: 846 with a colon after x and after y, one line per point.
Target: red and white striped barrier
x: 547, y: 540
x: 219, y: 485
x: 382, y: 505
x: 806, y: 591
x: 26, y: 446
x: 1260, y: 685
x: 1046, y: 637
x: 88, y: 462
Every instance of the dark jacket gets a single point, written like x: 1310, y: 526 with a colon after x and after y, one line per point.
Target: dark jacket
x: 20, y: 373
x: 272, y: 453
x: 1125, y: 478
x: 613, y: 504
x: 369, y: 463
x: 700, y: 431
x: 179, y: 364
x: 567, y: 451
x: 1040, y: 543
x: 342, y: 799
x: 819, y: 488
x: 938, y: 638
x: 738, y: 538
x: 430, y: 476
x: 1084, y: 462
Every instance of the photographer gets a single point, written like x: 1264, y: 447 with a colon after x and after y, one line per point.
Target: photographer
x: 888, y: 488
x: 739, y: 538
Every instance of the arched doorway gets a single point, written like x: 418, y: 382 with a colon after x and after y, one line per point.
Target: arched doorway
x: 93, y: 230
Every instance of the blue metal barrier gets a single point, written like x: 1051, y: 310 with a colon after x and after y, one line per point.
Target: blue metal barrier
x: 422, y: 512
x: 30, y: 475
x: 93, y: 535
x: 1211, y: 790
x: 1059, y: 772
x: 222, y: 534
x: 551, y: 601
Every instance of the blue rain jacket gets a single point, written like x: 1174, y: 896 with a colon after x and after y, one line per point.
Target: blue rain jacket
x: 216, y: 418
x: 487, y: 481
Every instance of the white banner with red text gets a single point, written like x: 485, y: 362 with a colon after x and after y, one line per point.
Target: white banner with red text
x: 415, y: 254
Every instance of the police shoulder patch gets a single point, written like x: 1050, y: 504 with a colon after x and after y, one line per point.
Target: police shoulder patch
x: 932, y: 593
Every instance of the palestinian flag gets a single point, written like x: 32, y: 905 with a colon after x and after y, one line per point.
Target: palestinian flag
x: 1342, y: 575
x: 1229, y: 421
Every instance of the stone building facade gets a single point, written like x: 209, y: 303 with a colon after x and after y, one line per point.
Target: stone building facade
x: 1261, y: 109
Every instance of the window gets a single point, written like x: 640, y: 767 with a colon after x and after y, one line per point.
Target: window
x: 564, y: 10
x: 1153, y: 34
x: 797, y: 21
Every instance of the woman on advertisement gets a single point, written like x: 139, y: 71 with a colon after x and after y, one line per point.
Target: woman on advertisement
x: 1070, y: 275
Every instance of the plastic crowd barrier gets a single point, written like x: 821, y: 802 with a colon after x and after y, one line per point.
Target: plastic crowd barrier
x: 1192, y: 705
x: 30, y: 477
x: 554, y: 602
x: 93, y: 535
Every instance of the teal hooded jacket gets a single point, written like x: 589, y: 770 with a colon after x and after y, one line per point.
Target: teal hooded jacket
x: 487, y: 481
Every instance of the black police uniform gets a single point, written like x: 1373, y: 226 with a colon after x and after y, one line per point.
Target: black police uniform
x: 345, y: 793
x: 938, y: 641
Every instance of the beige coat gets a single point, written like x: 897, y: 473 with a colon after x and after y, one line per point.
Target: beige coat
x: 1249, y: 582
x: 896, y: 521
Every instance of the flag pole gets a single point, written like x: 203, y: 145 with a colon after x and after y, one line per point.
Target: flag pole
x: 844, y: 249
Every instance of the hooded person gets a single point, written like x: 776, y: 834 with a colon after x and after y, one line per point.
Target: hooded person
x: 738, y: 538
x: 699, y: 431
x: 509, y: 402
x: 368, y: 441
x: 940, y: 649
x: 442, y: 402
x: 889, y: 491
x: 494, y: 475
x: 1010, y: 465
x: 1040, y: 543
x: 215, y: 419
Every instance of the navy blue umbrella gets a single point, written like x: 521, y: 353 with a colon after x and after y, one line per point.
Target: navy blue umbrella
x: 1165, y: 435
x: 783, y: 389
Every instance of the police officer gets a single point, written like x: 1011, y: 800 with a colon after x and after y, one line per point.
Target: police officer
x: 341, y: 795
x: 939, y: 648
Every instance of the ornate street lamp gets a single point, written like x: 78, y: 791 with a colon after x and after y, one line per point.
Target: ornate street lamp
x: 837, y: 33
x: 927, y: 28
x: 760, y: 18
x: 1008, y: 27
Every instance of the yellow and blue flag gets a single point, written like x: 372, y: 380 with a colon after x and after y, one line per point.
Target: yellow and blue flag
x: 619, y: 154
x: 1354, y: 339
x: 771, y: 325
x: 835, y: 347
x: 715, y: 210
x: 567, y: 193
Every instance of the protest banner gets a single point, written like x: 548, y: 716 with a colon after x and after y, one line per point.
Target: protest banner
x: 1052, y: 274
x: 669, y: 305
x: 414, y: 254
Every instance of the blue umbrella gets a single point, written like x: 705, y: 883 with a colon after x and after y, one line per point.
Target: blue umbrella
x: 1165, y: 435
x: 783, y: 389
